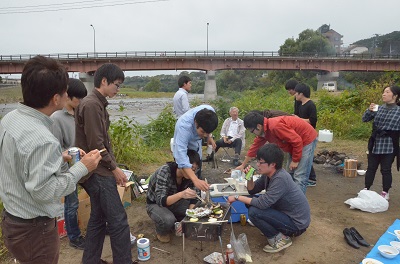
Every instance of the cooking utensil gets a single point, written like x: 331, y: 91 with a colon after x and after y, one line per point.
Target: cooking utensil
x: 233, y: 208
x: 201, y: 199
x: 162, y: 250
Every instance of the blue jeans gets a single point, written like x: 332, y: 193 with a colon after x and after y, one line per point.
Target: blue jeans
x: 302, y: 172
x: 106, y: 211
x: 71, y: 204
x: 272, y: 222
x: 165, y: 217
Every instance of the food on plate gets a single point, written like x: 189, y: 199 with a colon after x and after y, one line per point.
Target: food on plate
x: 218, y: 212
x: 371, y: 261
x: 194, y: 219
x: 212, y: 219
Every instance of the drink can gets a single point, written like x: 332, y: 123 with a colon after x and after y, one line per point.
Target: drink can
x: 74, y: 153
x: 250, y: 173
x: 243, y: 219
x: 178, y: 229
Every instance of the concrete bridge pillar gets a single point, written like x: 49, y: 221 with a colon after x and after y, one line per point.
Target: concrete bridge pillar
x: 88, y: 80
x: 210, y: 87
x: 328, y: 77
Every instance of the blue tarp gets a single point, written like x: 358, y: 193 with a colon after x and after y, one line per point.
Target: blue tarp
x: 385, y: 239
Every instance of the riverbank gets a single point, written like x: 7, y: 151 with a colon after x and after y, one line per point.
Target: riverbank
x: 142, y: 110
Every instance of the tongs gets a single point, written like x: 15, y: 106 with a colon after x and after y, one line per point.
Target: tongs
x: 209, y: 202
x: 229, y: 186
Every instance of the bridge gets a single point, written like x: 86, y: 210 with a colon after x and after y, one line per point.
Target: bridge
x: 211, y: 61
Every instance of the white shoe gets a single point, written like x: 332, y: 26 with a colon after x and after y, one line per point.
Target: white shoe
x: 385, y: 195
x: 250, y: 223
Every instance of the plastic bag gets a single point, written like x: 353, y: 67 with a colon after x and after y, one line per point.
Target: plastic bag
x: 241, y: 248
x: 368, y: 201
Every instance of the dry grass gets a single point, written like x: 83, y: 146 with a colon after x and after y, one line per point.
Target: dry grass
x: 10, y: 94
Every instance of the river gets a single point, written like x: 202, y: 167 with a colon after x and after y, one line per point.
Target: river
x: 140, y: 109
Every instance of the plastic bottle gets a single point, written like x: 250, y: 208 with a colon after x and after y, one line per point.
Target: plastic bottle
x: 229, y: 255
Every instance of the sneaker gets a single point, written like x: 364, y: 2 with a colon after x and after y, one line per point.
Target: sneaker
x: 385, y: 195
x: 78, y: 243
x: 311, y: 183
x: 163, y: 238
x: 251, y: 223
x: 278, y: 245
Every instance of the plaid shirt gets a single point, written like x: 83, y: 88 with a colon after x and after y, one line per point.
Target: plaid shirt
x: 163, y: 184
x: 387, y: 118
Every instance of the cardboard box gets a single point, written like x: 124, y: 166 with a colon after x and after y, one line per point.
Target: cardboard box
x: 62, y: 232
x: 350, y: 168
x: 84, y: 209
x: 125, y: 193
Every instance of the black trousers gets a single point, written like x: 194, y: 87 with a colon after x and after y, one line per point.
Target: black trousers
x: 374, y: 160
x: 236, y: 144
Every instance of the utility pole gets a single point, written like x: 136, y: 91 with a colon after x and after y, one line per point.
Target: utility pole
x: 94, y: 40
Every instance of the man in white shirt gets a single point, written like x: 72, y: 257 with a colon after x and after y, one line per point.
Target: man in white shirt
x: 232, y: 134
x: 181, y: 100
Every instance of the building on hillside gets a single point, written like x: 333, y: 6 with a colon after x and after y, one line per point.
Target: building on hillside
x: 333, y: 37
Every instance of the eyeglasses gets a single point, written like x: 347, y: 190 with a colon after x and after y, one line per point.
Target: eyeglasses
x: 116, y: 84
x: 261, y: 162
x: 252, y: 131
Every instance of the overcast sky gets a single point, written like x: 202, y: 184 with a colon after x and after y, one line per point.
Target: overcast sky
x: 179, y: 25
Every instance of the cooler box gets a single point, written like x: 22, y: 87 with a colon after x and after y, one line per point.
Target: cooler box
x: 239, y: 206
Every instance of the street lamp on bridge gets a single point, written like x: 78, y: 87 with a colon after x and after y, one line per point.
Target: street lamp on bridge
x: 94, y: 40
x: 207, y: 37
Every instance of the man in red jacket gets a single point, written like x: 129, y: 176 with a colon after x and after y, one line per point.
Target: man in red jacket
x: 291, y: 134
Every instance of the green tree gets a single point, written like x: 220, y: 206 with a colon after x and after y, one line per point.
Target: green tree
x: 154, y: 85
x: 309, y: 41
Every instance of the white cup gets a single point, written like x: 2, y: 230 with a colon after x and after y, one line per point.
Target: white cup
x: 375, y: 108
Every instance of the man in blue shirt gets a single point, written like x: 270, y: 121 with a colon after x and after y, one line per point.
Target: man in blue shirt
x: 190, y: 128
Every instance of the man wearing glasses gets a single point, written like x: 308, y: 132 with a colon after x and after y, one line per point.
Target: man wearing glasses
x: 283, y: 210
x: 292, y: 134
x: 92, y: 123
x: 169, y: 196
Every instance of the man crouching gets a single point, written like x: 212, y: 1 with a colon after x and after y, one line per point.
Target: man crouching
x: 169, y: 196
x: 283, y: 211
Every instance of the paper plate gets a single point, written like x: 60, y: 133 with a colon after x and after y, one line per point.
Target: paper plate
x: 214, y: 258
x: 371, y: 261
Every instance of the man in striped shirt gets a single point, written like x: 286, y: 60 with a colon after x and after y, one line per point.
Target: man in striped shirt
x: 32, y: 183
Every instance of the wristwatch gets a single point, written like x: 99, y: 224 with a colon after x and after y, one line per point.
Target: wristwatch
x: 236, y: 197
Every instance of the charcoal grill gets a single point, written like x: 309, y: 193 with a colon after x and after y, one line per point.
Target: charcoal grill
x: 203, y: 230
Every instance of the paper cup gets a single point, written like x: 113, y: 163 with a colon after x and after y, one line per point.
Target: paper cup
x: 375, y: 108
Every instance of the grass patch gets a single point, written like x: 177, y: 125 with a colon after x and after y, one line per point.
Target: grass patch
x: 10, y: 94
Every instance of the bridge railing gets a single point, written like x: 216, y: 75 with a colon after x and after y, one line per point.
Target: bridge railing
x: 191, y: 54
